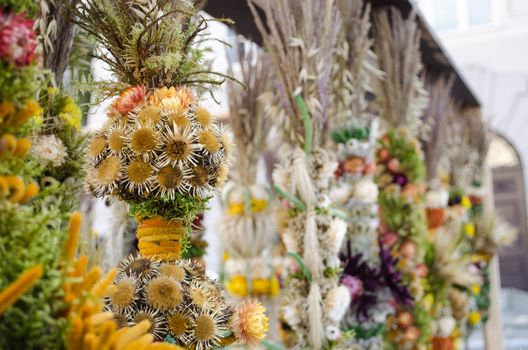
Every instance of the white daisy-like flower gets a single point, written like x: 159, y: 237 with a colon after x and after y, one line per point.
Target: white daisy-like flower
x: 170, y: 180
x: 116, y: 139
x: 208, y: 327
x: 158, y: 322
x: 139, y: 176
x: 179, y: 146
x: 143, y: 140
x: 49, y: 149
x: 199, y: 182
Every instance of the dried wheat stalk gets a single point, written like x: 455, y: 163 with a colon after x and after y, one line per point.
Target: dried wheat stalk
x: 301, y: 36
x: 400, y: 97
x: 248, y: 108
x: 355, y: 67
x: 440, y: 111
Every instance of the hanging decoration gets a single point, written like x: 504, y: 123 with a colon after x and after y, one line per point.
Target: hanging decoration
x: 301, y: 37
x: 400, y: 175
x: 246, y: 230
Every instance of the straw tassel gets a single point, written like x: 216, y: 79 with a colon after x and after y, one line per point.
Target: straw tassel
x: 311, y: 255
x: 315, y: 317
x: 301, y: 177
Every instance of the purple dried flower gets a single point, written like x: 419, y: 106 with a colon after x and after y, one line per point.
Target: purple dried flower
x: 392, y: 277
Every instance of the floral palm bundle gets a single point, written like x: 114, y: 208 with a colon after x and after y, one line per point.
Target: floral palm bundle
x: 355, y: 134
x: 301, y: 37
x: 29, y: 225
x: 400, y: 175
x: 164, y: 155
x: 248, y: 237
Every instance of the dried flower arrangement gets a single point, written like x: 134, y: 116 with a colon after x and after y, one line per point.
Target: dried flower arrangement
x: 163, y: 154
x: 355, y: 134
x: 301, y: 38
x: 401, y: 100
x: 245, y: 229
x: 29, y: 232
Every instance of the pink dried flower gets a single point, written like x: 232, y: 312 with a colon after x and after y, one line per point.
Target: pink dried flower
x: 18, y: 41
x: 129, y: 99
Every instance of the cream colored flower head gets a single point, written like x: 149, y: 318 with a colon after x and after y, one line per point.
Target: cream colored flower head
x: 163, y: 144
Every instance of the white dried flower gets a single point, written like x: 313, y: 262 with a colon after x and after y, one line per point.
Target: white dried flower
x: 336, y: 233
x: 49, y: 149
x: 291, y: 315
x: 366, y: 190
x: 336, y: 303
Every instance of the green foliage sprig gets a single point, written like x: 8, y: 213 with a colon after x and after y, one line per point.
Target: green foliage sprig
x: 19, y: 85
x: 151, y: 44
x: 28, y: 6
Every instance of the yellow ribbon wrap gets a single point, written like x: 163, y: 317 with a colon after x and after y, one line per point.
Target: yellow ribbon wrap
x: 160, y: 238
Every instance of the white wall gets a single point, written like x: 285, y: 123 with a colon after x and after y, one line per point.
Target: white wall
x: 494, y: 60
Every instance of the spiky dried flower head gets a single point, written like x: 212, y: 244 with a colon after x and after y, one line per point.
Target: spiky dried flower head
x: 167, y: 146
x: 124, y: 293
x: 173, y: 271
x: 97, y: 146
x: 179, y: 323
x: 143, y: 141
x: 149, y: 114
x: 140, y: 267
x: 200, y: 294
x: 209, y: 141
x: 158, y: 322
x: 203, y: 117
x: 108, y: 171
x: 139, y: 175
x: 164, y: 293
x: 250, y: 323
x: 116, y: 140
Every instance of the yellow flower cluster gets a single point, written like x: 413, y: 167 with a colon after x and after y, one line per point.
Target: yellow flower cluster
x: 256, y: 206
x: 474, y: 318
x: 15, y: 190
x: 240, y: 286
x: 10, y: 115
x: 469, y: 229
x: 71, y: 114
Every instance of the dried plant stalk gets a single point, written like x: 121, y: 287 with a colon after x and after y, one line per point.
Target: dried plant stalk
x: 301, y: 36
x: 441, y: 109
x: 355, y: 68
x: 400, y: 97
x: 249, y: 108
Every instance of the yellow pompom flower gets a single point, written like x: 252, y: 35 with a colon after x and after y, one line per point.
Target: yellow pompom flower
x: 469, y: 229
x: 474, y: 318
x: 260, y: 286
x: 475, y: 289
x: 238, y: 286
x: 466, y: 203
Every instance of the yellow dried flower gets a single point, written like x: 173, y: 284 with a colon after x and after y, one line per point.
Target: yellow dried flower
x: 249, y: 322
x: 163, y: 293
x: 474, y: 318
x: 237, y: 286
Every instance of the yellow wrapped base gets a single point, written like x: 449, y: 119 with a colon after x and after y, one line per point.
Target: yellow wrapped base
x: 160, y: 238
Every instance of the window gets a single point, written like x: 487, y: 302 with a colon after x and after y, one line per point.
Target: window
x: 453, y: 15
x: 479, y: 12
x: 445, y: 14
